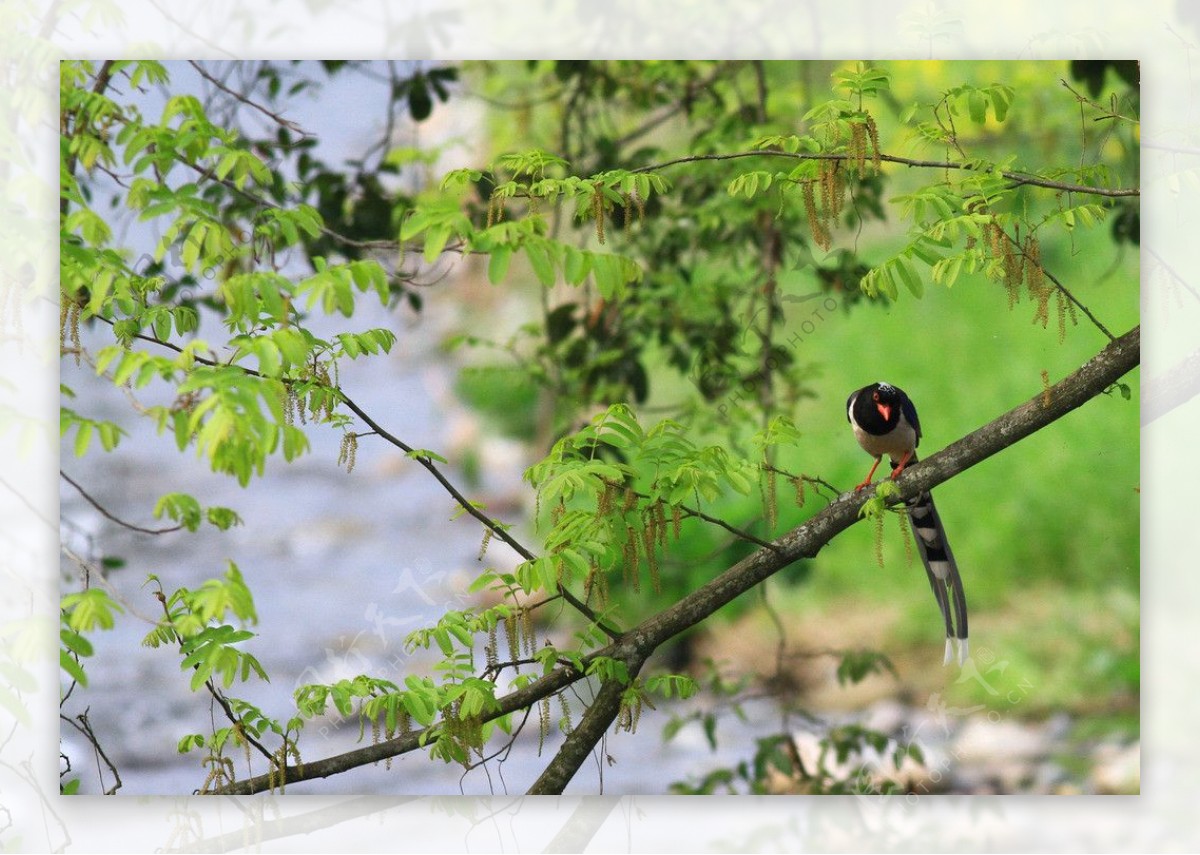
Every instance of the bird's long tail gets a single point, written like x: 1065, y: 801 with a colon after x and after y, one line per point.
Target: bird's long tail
x: 942, y: 570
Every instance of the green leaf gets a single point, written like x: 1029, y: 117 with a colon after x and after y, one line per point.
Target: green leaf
x: 576, y: 264
x: 977, y: 105
x: 90, y: 609
x: 189, y: 253
x: 855, y: 666
x: 923, y: 252
x: 190, y: 742
x: 83, y: 437
x: 541, y: 262
x: 1001, y: 100
x: 73, y: 668
x: 910, y: 278
x: 609, y: 276
x: 426, y: 454
x: 435, y: 241
x: 75, y: 642
x: 419, y: 706
x: 498, y: 264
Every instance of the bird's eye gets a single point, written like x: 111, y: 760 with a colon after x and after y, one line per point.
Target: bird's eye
x: 874, y: 396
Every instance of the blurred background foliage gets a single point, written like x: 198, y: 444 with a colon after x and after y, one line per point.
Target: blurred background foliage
x: 1046, y: 533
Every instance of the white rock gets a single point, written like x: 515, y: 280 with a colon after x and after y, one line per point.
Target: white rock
x: 1118, y: 769
x: 982, y: 740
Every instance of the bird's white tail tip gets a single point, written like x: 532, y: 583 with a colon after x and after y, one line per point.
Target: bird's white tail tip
x: 964, y: 651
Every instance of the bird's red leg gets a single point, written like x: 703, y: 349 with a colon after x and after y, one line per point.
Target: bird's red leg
x: 867, y: 480
x: 900, y: 466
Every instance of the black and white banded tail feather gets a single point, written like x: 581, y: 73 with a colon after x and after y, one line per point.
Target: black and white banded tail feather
x: 942, y: 570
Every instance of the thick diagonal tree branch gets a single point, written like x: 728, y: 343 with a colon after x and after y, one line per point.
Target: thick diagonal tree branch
x: 580, y: 742
x: 1091, y: 379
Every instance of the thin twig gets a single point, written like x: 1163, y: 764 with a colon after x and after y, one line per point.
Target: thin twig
x: 604, y: 709
x: 192, y: 30
x: 504, y: 749
x: 811, y: 479
x: 777, y: 678
x: 678, y: 107
x: 103, y: 78
x: 381, y: 144
x: 1062, y: 288
x: 23, y: 499
x: 1015, y: 177
x: 1108, y: 114
x: 693, y: 512
x: 84, y: 726
x: 95, y: 504
x: 1082, y: 308
x: 239, y: 96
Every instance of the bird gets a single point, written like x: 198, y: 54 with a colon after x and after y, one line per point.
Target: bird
x: 885, y: 421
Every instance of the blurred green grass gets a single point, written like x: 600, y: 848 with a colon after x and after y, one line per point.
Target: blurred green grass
x: 1046, y: 532
x: 506, y: 394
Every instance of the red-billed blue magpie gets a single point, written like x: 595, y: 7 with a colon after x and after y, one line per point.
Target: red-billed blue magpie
x: 885, y: 422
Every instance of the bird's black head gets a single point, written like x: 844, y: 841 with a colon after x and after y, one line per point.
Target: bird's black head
x: 877, y: 408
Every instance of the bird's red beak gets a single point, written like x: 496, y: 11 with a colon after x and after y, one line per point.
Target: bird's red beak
x: 884, y: 410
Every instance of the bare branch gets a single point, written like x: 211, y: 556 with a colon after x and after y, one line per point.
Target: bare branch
x: 275, y: 117
x: 1171, y: 271
x: 109, y: 515
x: 679, y: 106
x: 467, y: 505
x: 579, y: 743
x: 381, y: 145
x: 84, y: 726
x: 1106, y: 112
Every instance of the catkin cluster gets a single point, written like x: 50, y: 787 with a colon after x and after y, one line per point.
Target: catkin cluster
x: 1021, y: 264
x: 68, y: 329
x: 348, y: 452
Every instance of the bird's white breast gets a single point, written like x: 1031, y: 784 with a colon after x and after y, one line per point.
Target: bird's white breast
x: 895, y: 443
